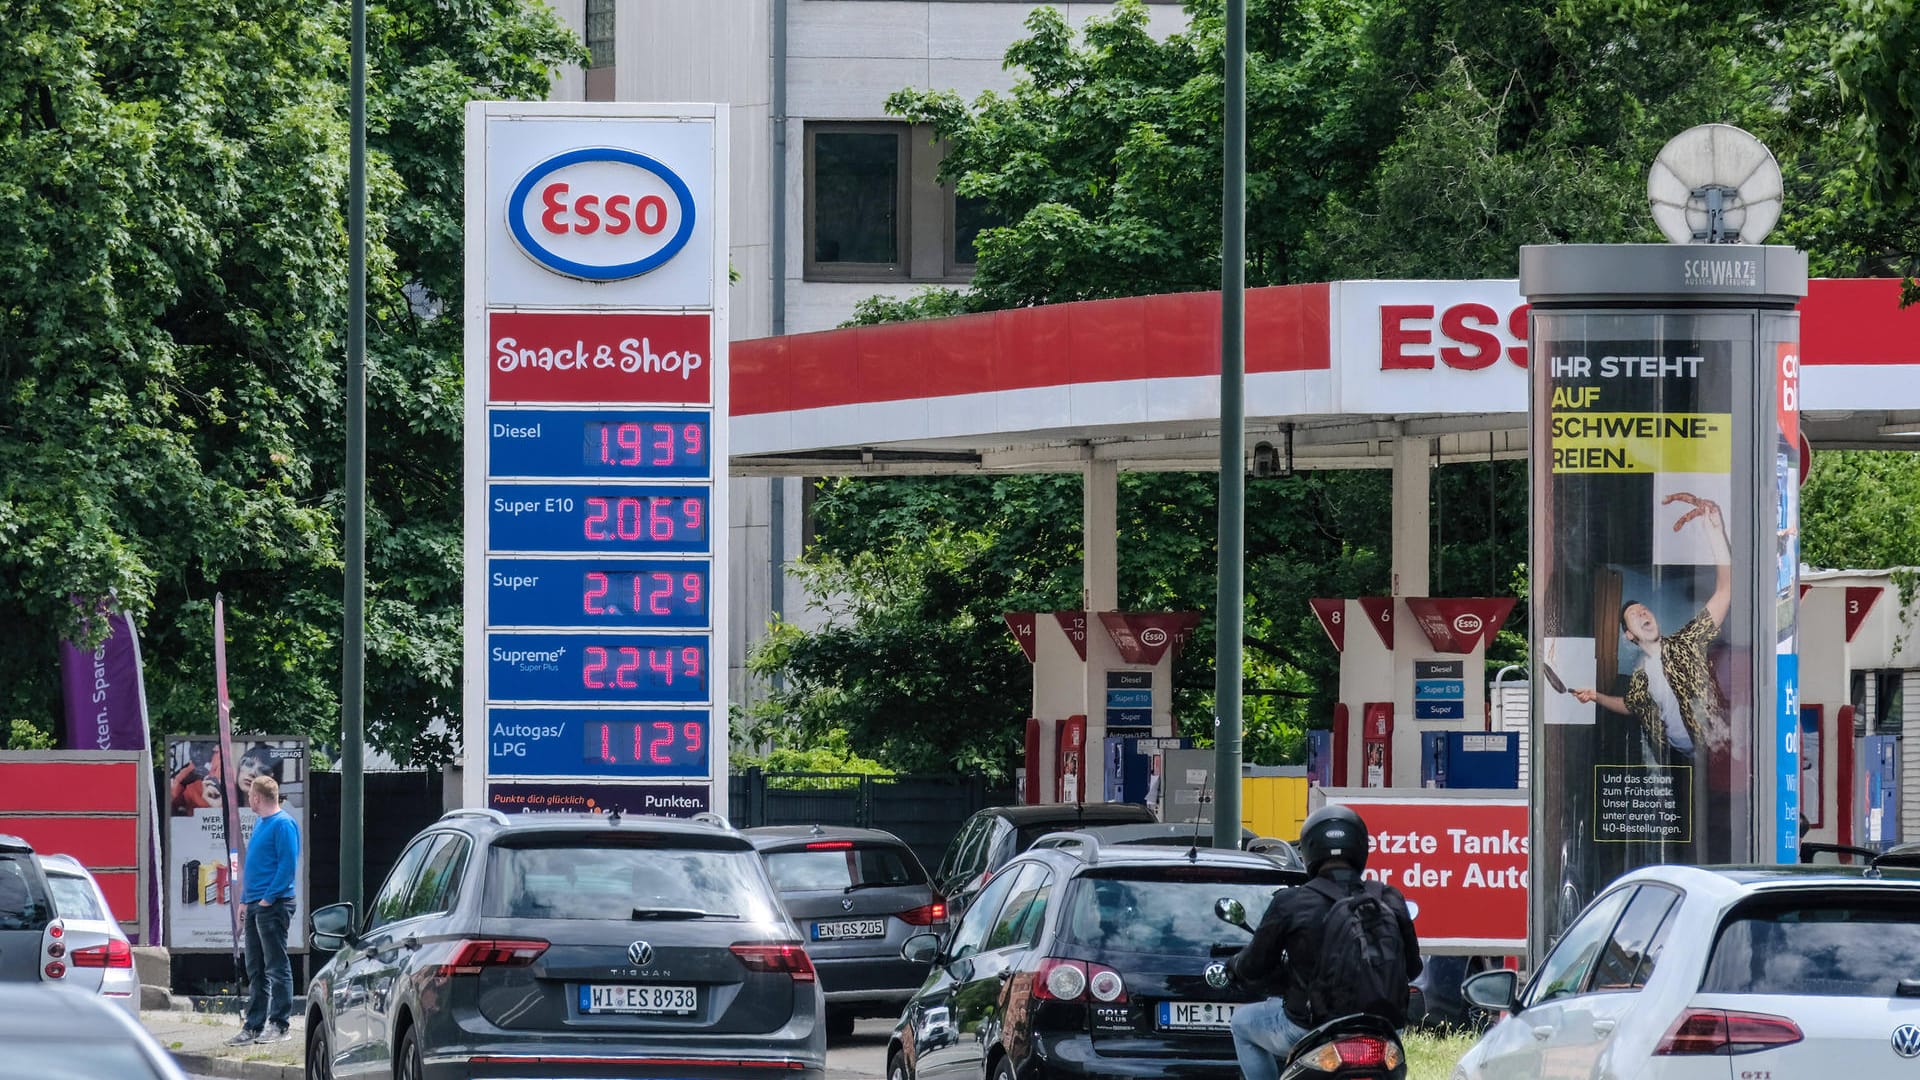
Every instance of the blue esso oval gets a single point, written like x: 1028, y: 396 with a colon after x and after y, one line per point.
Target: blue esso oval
x: 602, y: 213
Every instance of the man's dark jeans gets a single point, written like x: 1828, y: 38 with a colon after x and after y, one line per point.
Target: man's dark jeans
x: 269, y: 972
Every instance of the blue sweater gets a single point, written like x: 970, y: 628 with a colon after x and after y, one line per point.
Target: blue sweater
x: 272, y: 857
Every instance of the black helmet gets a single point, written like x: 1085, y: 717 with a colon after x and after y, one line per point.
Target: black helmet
x: 1333, y: 832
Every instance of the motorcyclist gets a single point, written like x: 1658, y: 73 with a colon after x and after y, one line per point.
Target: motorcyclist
x: 1284, y: 956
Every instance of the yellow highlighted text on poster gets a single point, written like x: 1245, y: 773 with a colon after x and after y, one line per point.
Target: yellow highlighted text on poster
x: 1603, y: 442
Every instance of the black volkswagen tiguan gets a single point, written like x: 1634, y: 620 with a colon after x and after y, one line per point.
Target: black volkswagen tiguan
x: 567, y: 946
x: 1088, y: 959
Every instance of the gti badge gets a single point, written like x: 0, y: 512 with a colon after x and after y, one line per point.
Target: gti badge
x: 640, y: 953
x: 1906, y: 1040
x: 1217, y: 976
x: 846, y: 905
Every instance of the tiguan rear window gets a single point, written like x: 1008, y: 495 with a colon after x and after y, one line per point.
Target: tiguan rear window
x: 826, y: 867
x: 619, y: 882
x: 23, y: 902
x: 1164, y: 911
x: 1852, y: 944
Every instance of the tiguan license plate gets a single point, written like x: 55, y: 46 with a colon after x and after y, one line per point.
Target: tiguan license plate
x: 623, y: 998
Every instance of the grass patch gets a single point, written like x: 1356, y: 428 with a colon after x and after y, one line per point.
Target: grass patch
x: 1432, y: 1057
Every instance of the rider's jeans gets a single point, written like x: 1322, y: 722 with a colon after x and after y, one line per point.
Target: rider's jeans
x: 1263, y: 1035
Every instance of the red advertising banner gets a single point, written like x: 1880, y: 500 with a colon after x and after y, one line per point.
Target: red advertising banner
x: 1143, y: 638
x: 1022, y: 624
x: 1860, y: 600
x: 1379, y: 611
x: 1787, y: 405
x: 1457, y: 624
x: 572, y: 357
x: 1376, y: 742
x: 1461, y: 863
x: 1075, y: 625
x: 1333, y: 619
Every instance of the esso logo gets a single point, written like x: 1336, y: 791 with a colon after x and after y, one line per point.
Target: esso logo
x: 1467, y: 624
x: 601, y: 214
x: 1153, y: 636
x: 1469, y: 336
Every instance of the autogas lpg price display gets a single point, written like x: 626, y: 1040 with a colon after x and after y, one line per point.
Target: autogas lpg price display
x: 649, y: 743
x: 598, y: 517
x: 639, y: 445
x: 617, y: 668
x: 654, y: 594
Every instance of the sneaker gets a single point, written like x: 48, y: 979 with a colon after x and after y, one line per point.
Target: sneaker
x: 246, y: 1036
x: 275, y: 1033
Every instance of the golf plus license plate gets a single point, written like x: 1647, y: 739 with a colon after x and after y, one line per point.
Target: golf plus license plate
x: 849, y: 929
x: 1195, y: 1015
x: 619, y: 998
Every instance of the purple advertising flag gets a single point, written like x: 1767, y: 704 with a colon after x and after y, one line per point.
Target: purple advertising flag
x: 106, y: 704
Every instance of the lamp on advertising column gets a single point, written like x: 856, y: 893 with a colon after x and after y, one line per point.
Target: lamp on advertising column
x: 1664, y: 451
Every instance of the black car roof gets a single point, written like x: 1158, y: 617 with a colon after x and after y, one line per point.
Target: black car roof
x: 1071, y: 813
x: 767, y: 836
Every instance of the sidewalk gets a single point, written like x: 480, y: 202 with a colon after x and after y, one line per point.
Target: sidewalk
x: 198, y: 1042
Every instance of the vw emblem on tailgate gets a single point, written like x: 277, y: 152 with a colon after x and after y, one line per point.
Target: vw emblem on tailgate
x: 1217, y: 976
x: 640, y: 953
x: 1906, y: 1041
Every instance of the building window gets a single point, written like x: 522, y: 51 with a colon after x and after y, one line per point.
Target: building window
x: 600, y: 33
x: 876, y: 210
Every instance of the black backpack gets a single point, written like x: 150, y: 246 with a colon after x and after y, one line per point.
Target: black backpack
x: 1363, y: 957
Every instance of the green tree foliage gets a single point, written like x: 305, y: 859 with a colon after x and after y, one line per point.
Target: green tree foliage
x: 173, y: 255
x: 1408, y: 138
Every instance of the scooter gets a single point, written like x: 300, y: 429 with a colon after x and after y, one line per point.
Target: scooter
x: 1356, y: 1047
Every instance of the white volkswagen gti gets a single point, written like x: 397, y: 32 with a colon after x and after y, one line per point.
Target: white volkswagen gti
x: 1686, y: 973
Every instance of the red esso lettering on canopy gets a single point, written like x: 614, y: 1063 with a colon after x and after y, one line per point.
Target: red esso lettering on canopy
x: 1463, y: 336
x: 602, y: 213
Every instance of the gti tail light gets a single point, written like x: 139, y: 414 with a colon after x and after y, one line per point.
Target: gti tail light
x: 56, y: 970
x: 1078, y: 980
x: 114, y: 954
x: 1720, y: 1031
x: 788, y: 959
x: 925, y: 915
x: 1362, y: 1051
x: 475, y: 955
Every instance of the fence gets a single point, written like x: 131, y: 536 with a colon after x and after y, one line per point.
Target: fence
x: 924, y: 811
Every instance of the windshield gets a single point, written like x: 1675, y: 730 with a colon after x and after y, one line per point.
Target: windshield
x: 824, y: 869
x: 73, y: 898
x: 611, y: 882
x: 1831, y: 946
x: 1168, y: 912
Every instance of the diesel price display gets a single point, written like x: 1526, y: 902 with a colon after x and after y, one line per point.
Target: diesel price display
x: 632, y: 444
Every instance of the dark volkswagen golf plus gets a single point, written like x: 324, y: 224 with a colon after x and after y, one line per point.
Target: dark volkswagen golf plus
x: 567, y: 946
x: 1084, y: 960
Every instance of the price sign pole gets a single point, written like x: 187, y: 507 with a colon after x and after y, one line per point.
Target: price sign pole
x: 596, y: 458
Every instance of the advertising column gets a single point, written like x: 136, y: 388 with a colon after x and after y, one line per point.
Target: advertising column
x: 1665, y: 562
x: 596, y: 456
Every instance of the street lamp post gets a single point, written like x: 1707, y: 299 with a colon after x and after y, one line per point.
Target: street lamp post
x: 354, y: 663
x: 1233, y: 483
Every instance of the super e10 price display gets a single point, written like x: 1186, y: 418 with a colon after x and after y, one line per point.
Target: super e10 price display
x: 595, y: 517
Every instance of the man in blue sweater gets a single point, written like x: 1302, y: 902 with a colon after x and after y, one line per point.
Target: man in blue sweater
x: 273, y: 856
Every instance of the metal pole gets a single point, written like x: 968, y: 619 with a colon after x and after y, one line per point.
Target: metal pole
x: 1233, y: 480
x: 354, y: 662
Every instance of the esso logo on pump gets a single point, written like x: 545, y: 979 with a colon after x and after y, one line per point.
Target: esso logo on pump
x: 1467, y: 336
x: 1153, y: 637
x: 601, y: 213
x: 1468, y: 624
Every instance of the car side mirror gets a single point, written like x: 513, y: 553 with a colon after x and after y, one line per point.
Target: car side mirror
x: 331, y: 927
x: 1229, y: 910
x: 921, y: 949
x: 1494, y: 991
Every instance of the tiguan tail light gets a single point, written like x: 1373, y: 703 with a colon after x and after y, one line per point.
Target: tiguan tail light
x: 1720, y: 1031
x: 789, y: 959
x: 474, y: 955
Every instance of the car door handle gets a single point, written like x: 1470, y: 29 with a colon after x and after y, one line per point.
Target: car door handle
x: 1543, y: 1033
x: 1604, y: 1027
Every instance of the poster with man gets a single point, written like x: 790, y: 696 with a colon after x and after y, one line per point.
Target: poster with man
x: 198, y: 879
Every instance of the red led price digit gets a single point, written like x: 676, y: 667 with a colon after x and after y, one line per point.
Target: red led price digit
x: 694, y: 511
x: 598, y: 510
x: 637, y: 740
x: 596, y: 663
x: 630, y: 439
x: 597, y: 586
x: 657, y: 598
x: 606, y: 743
x: 653, y: 746
x: 661, y: 661
x: 695, y: 438
x: 693, y: 587
x: 629, y: 663
x: 690, y: 659
x: 627, y: 519
x: 663, y: 446
x: 694, y: 735
x: 659, y: 525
